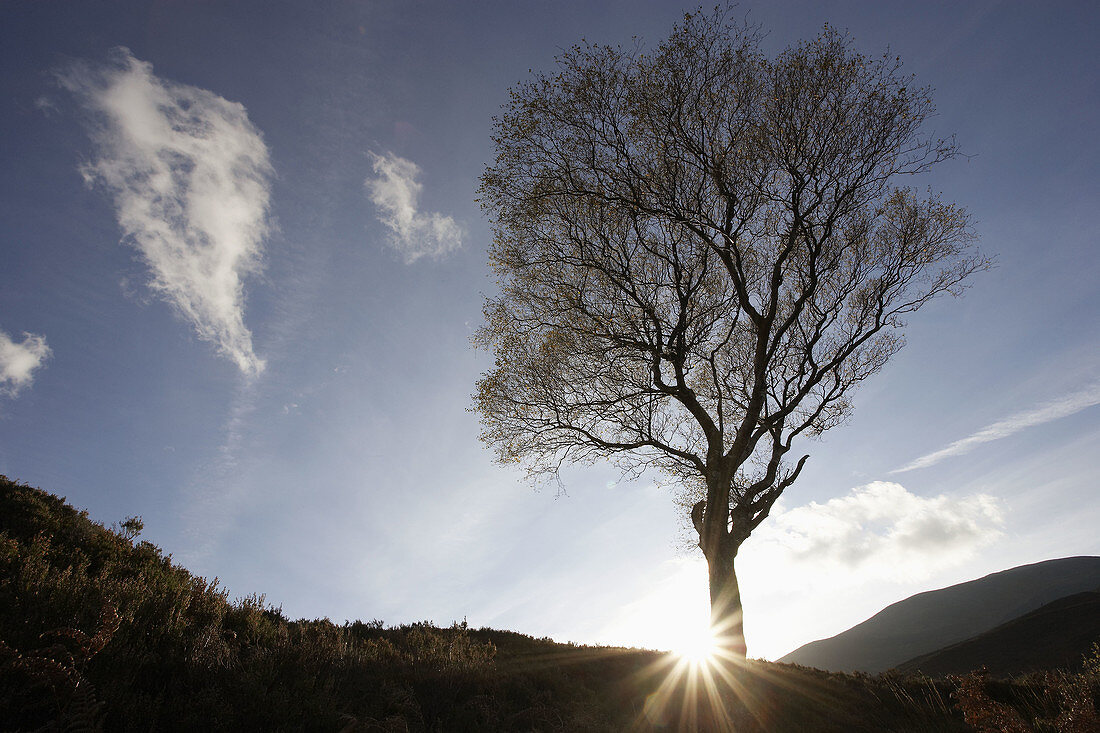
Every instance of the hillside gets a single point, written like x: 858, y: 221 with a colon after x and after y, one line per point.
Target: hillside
x: 98, y: 631
x: 930, y: 621
x: 1055, y: 636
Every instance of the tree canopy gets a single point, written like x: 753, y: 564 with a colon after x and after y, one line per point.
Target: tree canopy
x: 701, y: 252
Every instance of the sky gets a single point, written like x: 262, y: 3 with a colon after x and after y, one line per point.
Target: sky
x: 241, y: 261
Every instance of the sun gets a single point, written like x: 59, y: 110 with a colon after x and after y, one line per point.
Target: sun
x: 696, y: 645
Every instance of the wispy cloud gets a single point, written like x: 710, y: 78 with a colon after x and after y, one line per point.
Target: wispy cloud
x: 396, y: 192
x: 18, y: 361
x: 190, y: 177
x: 220, y: 490
x: 1044, y: 413
x: 879, y: 530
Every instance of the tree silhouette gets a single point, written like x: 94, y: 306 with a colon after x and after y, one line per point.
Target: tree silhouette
x: 701, y: 252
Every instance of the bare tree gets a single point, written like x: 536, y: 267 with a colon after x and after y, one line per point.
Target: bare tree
x: 700, y: 254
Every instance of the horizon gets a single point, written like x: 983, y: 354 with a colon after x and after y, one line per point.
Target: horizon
x: 243, y: 261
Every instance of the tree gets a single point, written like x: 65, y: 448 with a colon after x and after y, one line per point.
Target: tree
x: 701, y: 252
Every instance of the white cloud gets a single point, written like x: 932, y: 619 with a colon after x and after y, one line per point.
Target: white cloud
x: 813, y: 570
x: 18, y: 361
x: 1044, y: 413
x: 190, y: 177
x: 395, y: 191
x: 879, y: 531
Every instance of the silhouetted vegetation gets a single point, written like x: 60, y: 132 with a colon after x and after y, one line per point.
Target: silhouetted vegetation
x: 99, y: 630
x: 1058, y: 701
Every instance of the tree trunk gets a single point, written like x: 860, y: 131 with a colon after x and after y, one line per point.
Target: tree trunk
x: 725, y: 601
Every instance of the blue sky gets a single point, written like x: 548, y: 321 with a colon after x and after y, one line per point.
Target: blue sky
x: 241, y: 261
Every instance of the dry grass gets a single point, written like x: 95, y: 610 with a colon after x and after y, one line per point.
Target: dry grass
x: 98, y: 629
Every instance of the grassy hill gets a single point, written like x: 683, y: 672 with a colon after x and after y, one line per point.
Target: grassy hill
x: 98, y: 630
x: 926, y: 622
x: 1057, y: 635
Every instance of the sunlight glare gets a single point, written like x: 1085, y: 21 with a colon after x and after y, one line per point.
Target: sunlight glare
x: 696, y: 645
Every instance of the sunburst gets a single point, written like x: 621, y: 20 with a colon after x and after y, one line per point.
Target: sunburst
x: 697, y: 646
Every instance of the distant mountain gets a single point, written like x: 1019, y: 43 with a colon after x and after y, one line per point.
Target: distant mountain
x: 1057, y: 635
x: 930, y: 621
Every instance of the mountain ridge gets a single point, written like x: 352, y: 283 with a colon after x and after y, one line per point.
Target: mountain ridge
x: 932, y: 620
x: 1056, y: 635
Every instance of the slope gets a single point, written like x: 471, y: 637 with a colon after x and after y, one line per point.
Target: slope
x: 1055, y: 636
x: 97, y: 630
x: 935, y: 619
